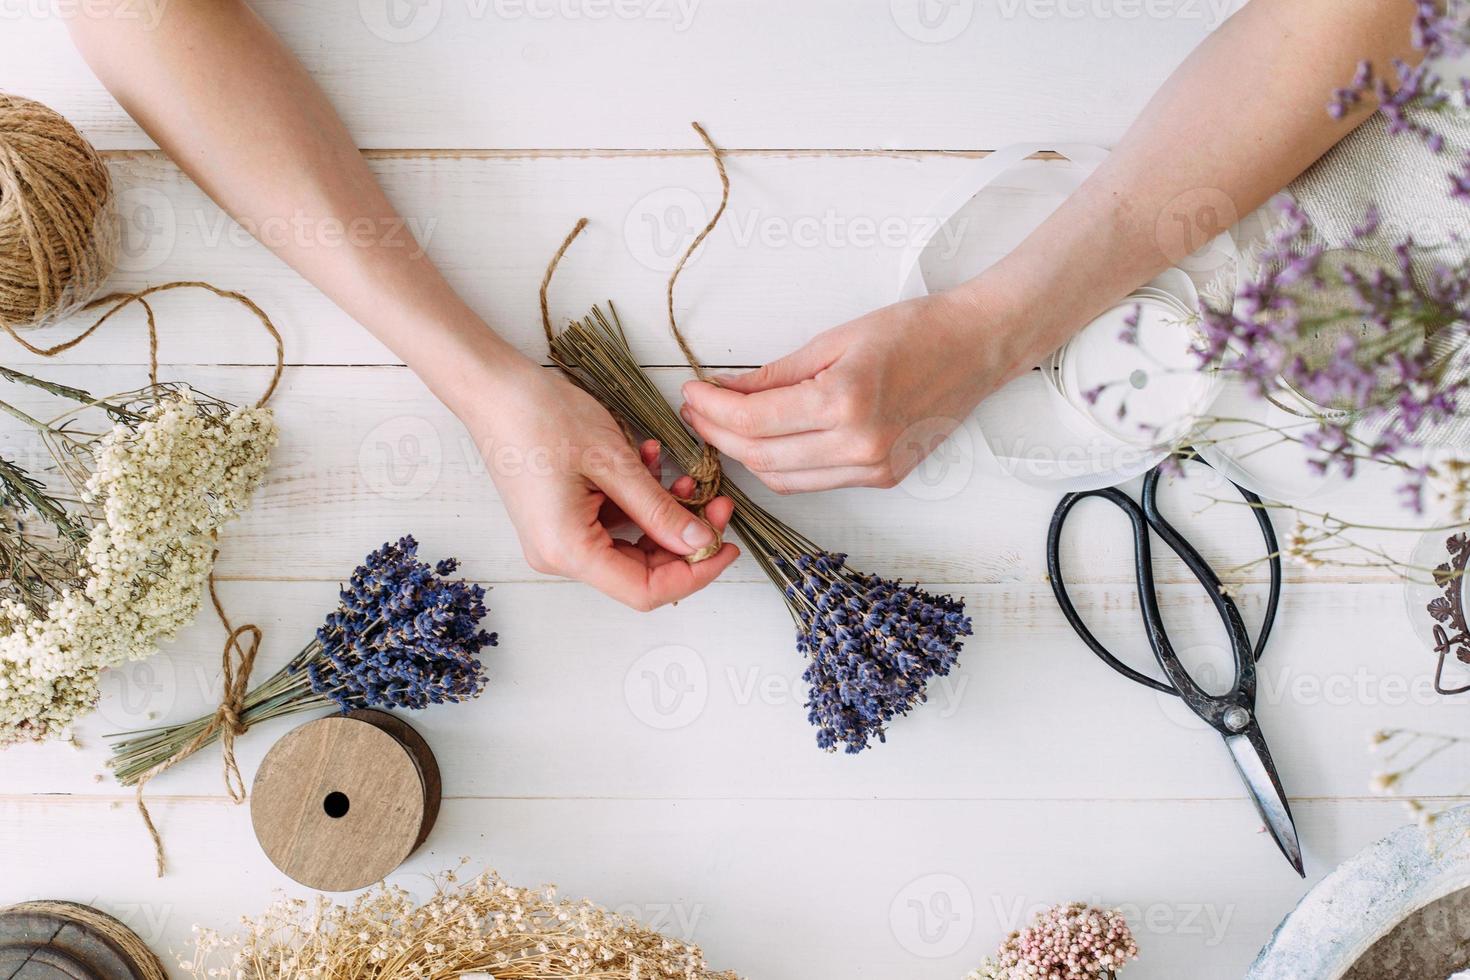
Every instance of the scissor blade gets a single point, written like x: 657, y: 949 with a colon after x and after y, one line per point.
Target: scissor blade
x: 1253, y: 761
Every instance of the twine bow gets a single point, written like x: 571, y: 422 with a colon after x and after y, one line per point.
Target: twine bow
x: 706, y: 473
x: 237, y: 661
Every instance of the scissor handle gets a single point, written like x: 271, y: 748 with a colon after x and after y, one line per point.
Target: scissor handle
x: 1143, y: 518
x: 1142, y: 558
x: 1201, y: 568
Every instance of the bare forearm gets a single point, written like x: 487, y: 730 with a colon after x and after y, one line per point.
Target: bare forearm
x: 1242, y: 117
x: 230, y: 104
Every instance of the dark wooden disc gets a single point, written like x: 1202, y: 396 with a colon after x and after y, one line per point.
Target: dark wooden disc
x: 46, y: 941
x: 341, y: 802
x: 422, y: 755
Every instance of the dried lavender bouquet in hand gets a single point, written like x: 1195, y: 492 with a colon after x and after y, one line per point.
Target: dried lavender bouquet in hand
x: 873, y: 643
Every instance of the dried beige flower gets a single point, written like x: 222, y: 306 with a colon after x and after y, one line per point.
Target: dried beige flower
x: 483, y: 927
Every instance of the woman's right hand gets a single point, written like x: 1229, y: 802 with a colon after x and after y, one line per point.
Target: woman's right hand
x: 569, y: 478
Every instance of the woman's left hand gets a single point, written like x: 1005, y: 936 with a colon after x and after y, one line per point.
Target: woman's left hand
x: 865, y: 402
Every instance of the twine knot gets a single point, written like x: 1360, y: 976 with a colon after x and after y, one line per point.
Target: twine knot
x: 237, y: 661
x: 705, y: 471
x: 707, y: 475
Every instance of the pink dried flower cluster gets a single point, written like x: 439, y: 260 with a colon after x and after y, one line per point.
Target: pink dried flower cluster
x: 1066, y: 942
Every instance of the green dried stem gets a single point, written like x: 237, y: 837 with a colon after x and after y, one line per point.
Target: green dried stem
x: 595, y: 353
x: 20, y: 491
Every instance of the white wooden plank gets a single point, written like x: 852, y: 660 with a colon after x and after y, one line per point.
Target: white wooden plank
x: 808, y: 242
x: 780, y: 890
x: 705, y: 700
x: 367, y: 455
x: 562, y: 73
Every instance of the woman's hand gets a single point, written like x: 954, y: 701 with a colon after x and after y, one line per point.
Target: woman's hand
x: 865, y: 402
x: 568, y: 479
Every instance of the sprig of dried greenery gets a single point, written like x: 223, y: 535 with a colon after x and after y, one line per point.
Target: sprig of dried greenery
x: 484, y: 927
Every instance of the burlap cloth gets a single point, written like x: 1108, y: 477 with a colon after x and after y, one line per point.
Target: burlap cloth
x: 1410, y: 187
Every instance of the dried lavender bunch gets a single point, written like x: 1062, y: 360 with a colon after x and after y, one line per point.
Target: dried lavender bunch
x: 484, y: 927
x: 873, y: 643
x: 402, y: 636
x: 1066, y: 942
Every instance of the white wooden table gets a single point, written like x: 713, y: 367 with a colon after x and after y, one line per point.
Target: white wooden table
x: 662, y: 764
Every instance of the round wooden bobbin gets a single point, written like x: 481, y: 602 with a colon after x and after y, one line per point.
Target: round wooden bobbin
x: 66, y: 941
x: 342, y: 801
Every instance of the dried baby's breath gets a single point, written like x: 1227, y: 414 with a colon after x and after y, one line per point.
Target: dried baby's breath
x: 482, y: 927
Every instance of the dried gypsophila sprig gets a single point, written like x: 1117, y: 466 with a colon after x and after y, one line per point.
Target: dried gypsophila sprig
x: 1405, y: 752
x: 1065, y: 942
x: 482, y: 926
x: 151, y: 492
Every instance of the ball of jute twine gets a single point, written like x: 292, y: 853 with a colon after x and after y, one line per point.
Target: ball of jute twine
x: 58, y: 239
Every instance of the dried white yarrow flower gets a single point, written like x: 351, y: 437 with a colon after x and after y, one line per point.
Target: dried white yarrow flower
x: 170, y: 472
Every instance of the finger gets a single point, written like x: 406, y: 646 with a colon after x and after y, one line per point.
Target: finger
x: 801, y: 407
x: 799, y: 365
x: 648, y: 505
x: 829, y: 478
x: 652, y: 455
x: 717, y: 512
x: 626, y: 578
x: 776, y: 454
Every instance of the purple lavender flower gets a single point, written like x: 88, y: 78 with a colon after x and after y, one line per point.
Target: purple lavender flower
x: 403, y: 635
x: 873, y: 646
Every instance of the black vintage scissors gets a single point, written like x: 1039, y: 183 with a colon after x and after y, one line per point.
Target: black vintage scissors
x: 1232, y: 714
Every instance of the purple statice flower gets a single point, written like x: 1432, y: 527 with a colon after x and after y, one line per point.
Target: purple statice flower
x: 1129, y: 333
x: 1442, y: 27
x: 1414, y: 87
x: 1384, y: 371
x: 873, y: 645
x: 403, y: 635
x: 1460, y: 179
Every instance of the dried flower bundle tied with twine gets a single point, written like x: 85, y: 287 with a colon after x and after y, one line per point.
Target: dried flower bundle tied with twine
x: 482, y: 927
x: 872, y: 644
x: 100, y: 570
x: 402, y: 636
x: 122, y: 563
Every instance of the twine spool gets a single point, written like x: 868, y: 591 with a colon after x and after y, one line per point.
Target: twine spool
x: 64, y: 941
x: 339, y: 803
x: 58, y: 239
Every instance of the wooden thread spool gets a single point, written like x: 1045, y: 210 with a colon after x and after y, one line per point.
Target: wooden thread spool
x: 65, y: 941
x: 341, y: 802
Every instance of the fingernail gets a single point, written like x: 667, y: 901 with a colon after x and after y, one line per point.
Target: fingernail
x: 723, y: 379
x: 698, y: 534
x: 685, y: 414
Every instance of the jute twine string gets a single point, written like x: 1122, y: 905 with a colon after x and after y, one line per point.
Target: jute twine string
x: 706, y: 473
x: 58, y: 234
x: 242, y: 643
x: 241, y: 646
x: 123, y: 939
x: 119, y: 300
